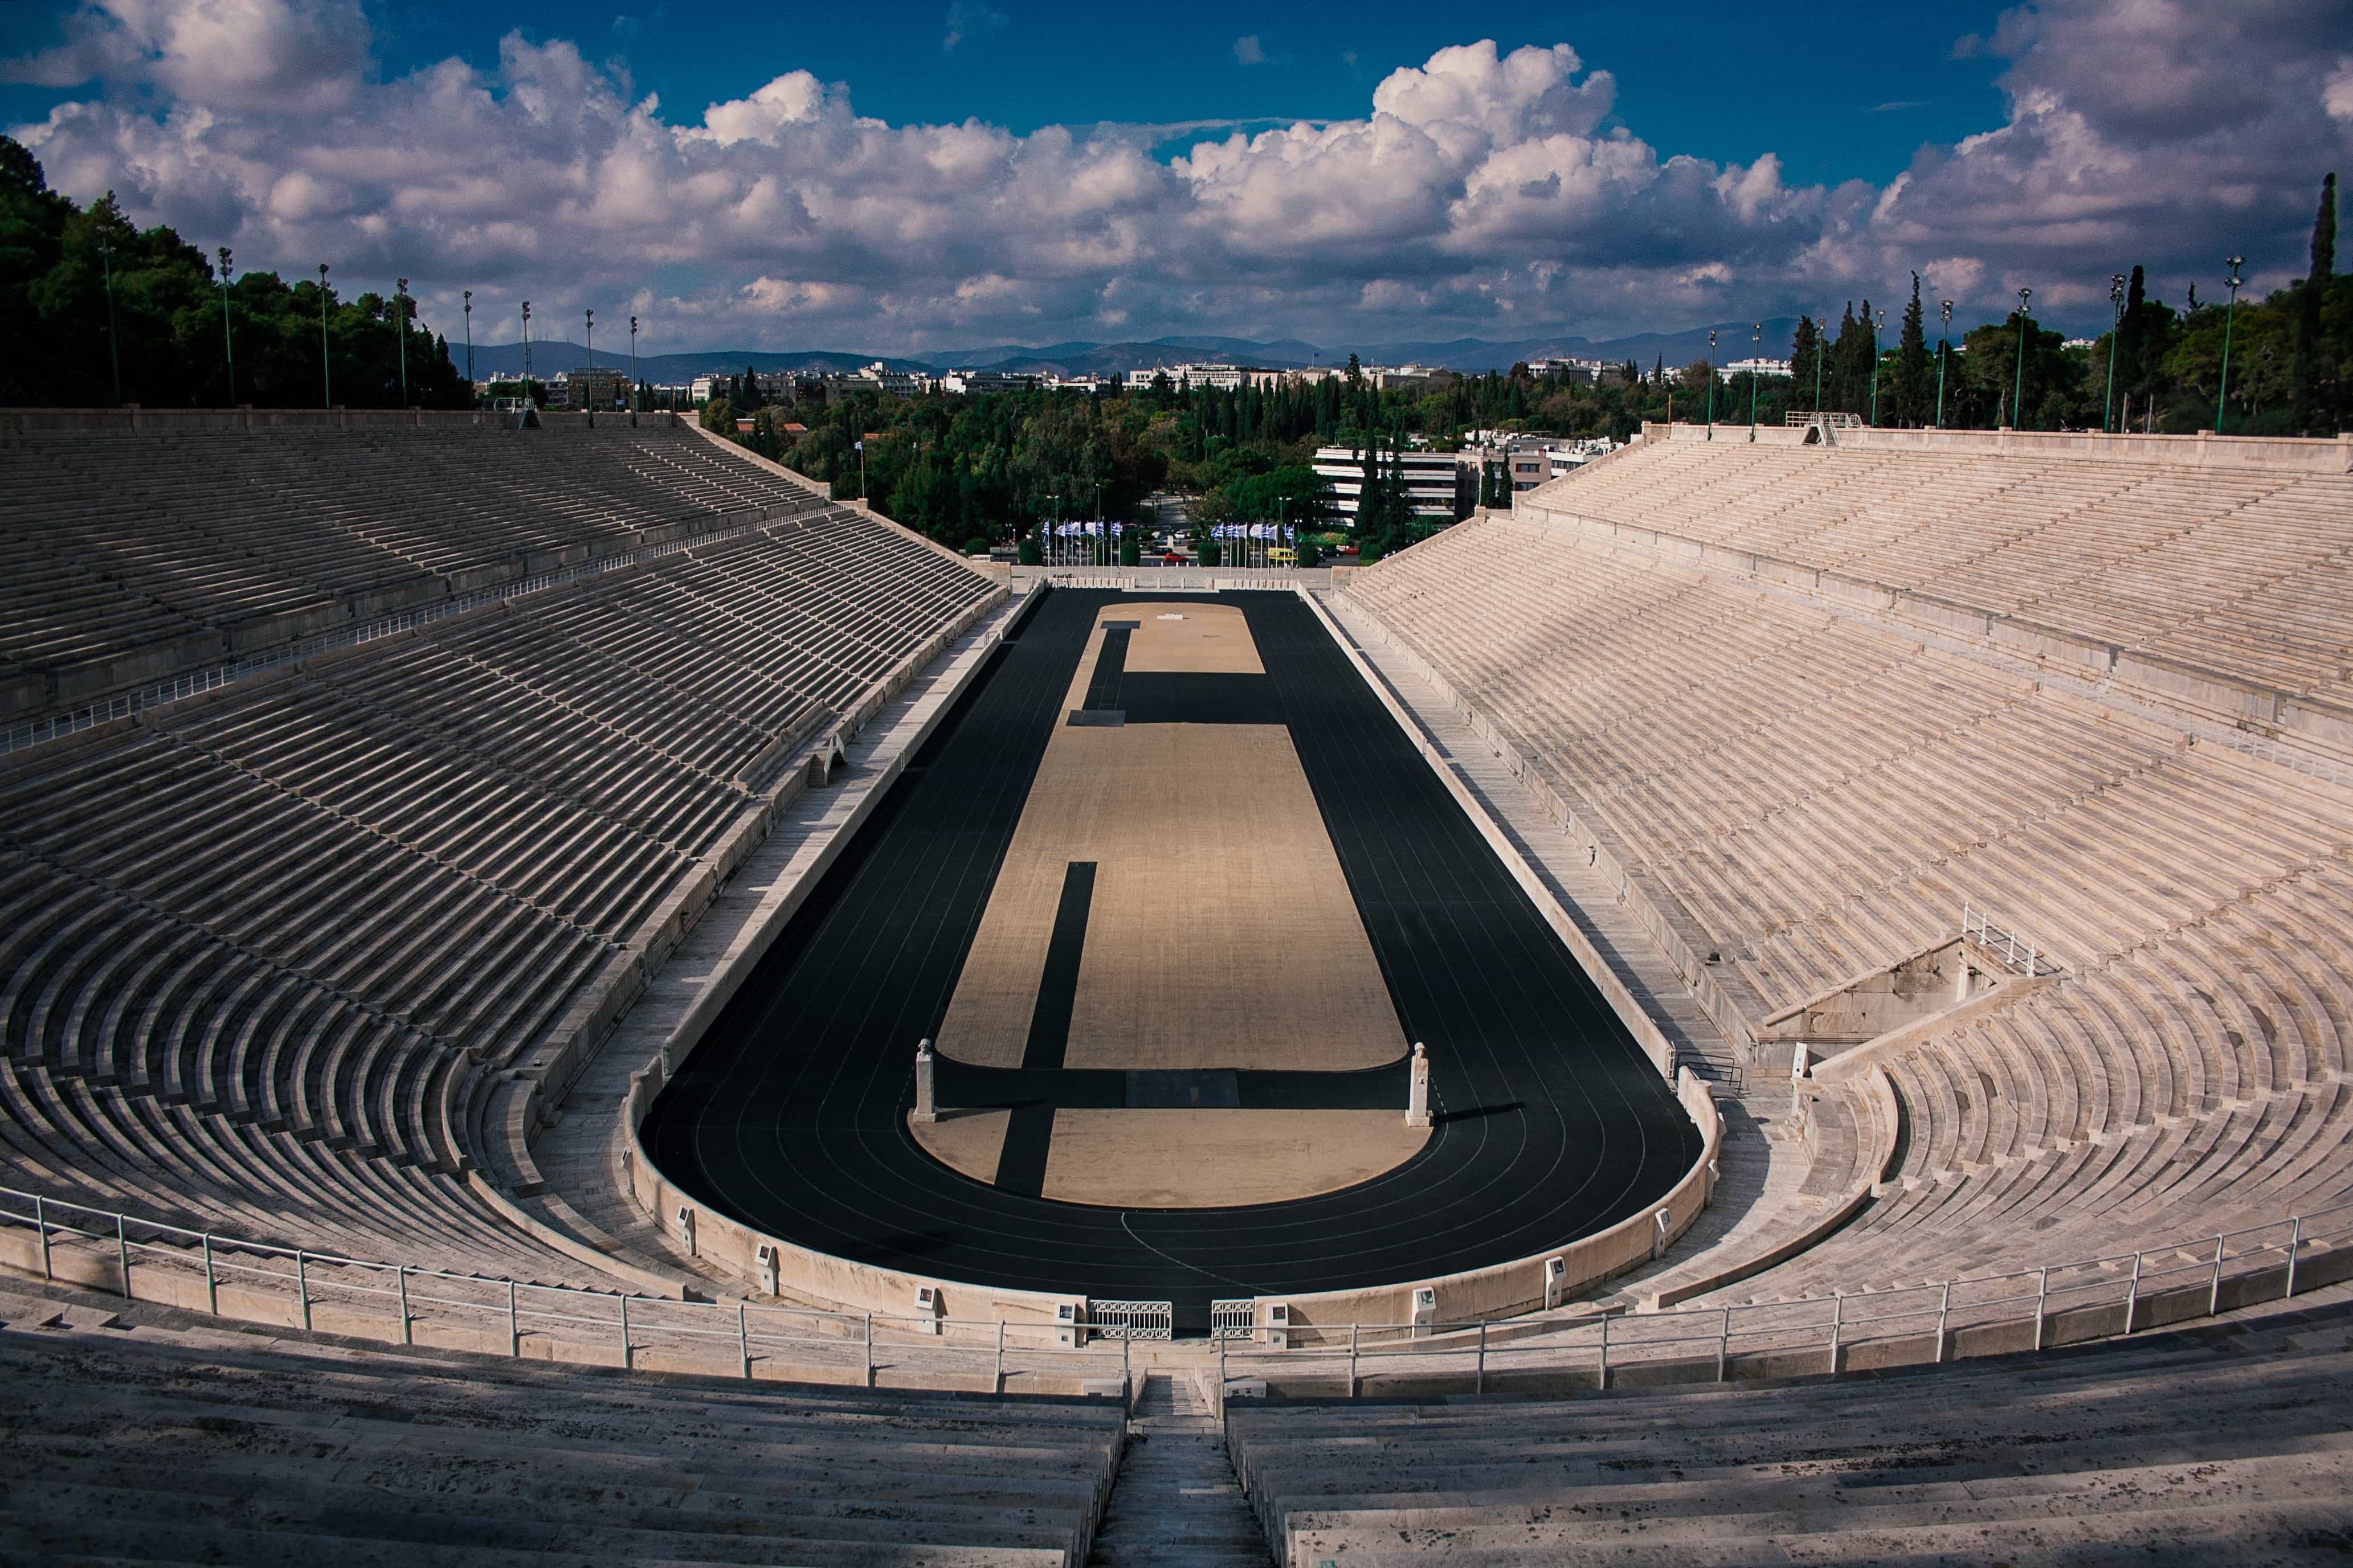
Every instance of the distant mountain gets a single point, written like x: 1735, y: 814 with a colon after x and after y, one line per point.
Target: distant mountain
x: 547, y: 358
x: 1735, y: 341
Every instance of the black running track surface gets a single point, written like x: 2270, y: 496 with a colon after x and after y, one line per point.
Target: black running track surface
x: 790, y: 1116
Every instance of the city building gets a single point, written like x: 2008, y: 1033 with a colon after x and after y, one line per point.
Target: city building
x: 1760, y: 366
x: 897, y: 382
x: 582, y: 387
x: 972, y: 383
x: 1571, y: 369
x: 1432, y: 479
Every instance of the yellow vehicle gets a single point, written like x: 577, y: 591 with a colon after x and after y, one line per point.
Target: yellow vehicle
x: 1279, y: 556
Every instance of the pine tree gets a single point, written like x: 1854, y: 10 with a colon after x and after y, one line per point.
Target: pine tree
x: 2306, y: 380
x: 1912, y: 395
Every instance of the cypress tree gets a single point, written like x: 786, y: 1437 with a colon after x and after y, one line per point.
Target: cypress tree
x: 2306, y: 378
x: 1804, y: 344
x: 1912, y: 394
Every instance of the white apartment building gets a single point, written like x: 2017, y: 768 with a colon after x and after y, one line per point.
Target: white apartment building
x: 897, y: 382
x: 1760, y: 366
x: 1430, y: 479
x: 1224, y: 377
x: 704, y: 388
x: 1575, y: 370
x: 974, y: 382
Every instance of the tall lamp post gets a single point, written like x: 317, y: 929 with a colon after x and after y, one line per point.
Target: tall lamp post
x: 326, y: 374
x: 1822, y: 351
x: 588, y: 394
x: 400, y: 325
x: 469, y: 346
x: 526, y: 356
x: 1711, y: 383
x: 113, y: 355
x: 2116, y: 330
x: 2018, y: 386
x: 1877, y: 326
x: 1756, y: 349
x: 229, y: 342
x: 633, y: 370
x: 2231, y: 282
x: 1944, y: 342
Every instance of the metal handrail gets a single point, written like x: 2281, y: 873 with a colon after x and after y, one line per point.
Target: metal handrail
x: 632, y: 1324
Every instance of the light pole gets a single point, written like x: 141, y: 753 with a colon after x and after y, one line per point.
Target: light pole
x: 326, y: 374
x: 2116, y: 330
x: 1711, y: 383
x: 1822, y: 351
x: 1756, y: 349
x: 2018, y: 386
x: 633, y: 372
x: 2231, y: 282
x: 1877, y: 327
x: 113, y: 355
x: 1944, y: 343
x: 588, y: 393
x: 469, y: 345
x: 526, y: 356
x: 229, y: 342
x: 400, y: 325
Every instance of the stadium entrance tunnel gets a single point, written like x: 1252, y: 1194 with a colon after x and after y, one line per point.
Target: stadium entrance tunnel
x: 1173, y: 894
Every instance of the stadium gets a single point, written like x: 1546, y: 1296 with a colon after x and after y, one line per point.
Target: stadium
x: 567, y: 994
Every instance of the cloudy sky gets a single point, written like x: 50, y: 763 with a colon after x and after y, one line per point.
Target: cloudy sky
x: 916, y: 177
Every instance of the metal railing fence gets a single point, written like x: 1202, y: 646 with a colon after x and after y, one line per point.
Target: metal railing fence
x: 2021, y: 1309
x: 2018, y: 951
x: 409, y: 1304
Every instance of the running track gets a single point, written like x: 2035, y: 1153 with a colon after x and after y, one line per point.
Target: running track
x: 790, y: 1115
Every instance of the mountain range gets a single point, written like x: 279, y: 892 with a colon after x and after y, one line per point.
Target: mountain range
x: 1735, y: 341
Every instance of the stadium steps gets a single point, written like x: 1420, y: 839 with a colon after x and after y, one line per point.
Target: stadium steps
x: 2178, y: 1447
x: 174, y: 1444
x: 1176, y: 1503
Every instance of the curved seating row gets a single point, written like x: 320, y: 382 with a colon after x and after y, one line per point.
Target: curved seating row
x: 266, y: 955
x: 1814, y: 795
x: 2229, y: 570
x: 125, y: 557
x: 160, y: 1448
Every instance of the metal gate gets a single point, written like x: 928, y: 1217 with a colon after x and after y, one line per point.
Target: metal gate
x: 1131, y: 1320
x: 1235, y: 1320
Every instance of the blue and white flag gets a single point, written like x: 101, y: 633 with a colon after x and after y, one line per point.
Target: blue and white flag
x: 858, y: 446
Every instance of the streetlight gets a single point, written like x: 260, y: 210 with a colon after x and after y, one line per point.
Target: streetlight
x: 1944, y: 342
x: 588, y: 393
x: 2116, y: 330
x: 1821, y: 351
x: 469, y: 346
x: 229, y: 343
x: 2231, y: 282
x: 113, y: 355
x: 1755, y: 350
x: 2018, y: 387
x: 1877, y: 327
x: 633, y: 372
x: 1711, y: 383
x: 400, y: 325
x: 526, y: 356
x: 326, y: 374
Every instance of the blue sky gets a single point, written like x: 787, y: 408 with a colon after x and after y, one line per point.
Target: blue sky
x: 978, y: 171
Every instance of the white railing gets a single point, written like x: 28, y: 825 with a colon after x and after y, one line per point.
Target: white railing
x: 2017, y: 952
x: 2026, y: 1309
x: 409, y: 1304
x: 194, y: 683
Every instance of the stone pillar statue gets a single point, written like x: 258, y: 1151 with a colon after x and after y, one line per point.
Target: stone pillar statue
x: 925, y: 1110
x: 1417, y: 1105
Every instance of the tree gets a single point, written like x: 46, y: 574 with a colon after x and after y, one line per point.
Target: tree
x: 1912, y: 393
x: 2310, y: 389
x: 1805, y: 346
